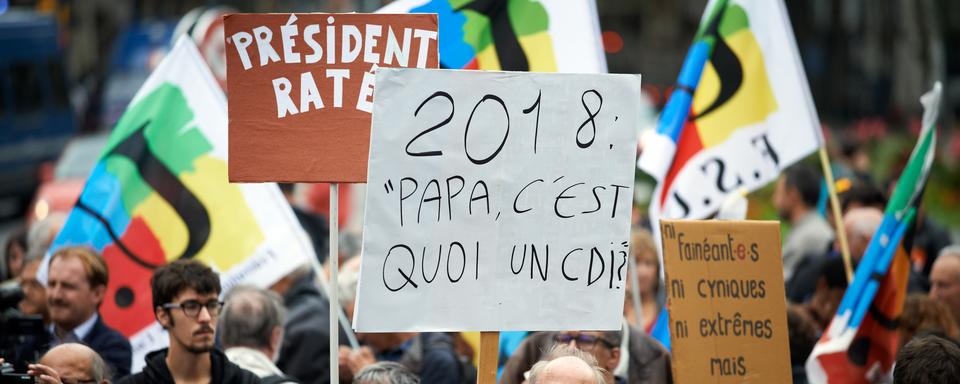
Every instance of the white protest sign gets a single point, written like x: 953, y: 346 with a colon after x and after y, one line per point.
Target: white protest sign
x: 497, y: 201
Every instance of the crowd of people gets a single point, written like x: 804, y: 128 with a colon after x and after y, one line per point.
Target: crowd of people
x: 280, y: 334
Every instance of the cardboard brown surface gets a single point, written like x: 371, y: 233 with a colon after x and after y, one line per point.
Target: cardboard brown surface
x: 727, y: 309
x: 311, y: 143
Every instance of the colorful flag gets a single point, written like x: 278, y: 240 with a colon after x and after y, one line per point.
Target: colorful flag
x: 860, y: 345
x: 160, y: 193
x: 515, y: 35
x: 740, y: 112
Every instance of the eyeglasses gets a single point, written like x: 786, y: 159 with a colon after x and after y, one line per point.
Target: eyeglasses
x: 65, y: 380
x: 191, y: 308
x: 584, y: 342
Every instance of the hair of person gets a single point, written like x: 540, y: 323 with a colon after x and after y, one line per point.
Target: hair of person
x: 833, y: 272
x: 642, y: 243
x: 286, y: 188
x: 385, y: 372
x: 924, y: 315
x: 18, y: 237
x: 802, y: 334
x: 94, y: 267
x: 40, y: 235
x: 864, y: 194
x: 249, y: 317
x: 806, y: 181
x: 927, y: 359
x: 171, y: 279
x: 615, y: 338
x: 347, y: 284
x: 99, y: 370
x: 561, y: 350
x: 950, y: 251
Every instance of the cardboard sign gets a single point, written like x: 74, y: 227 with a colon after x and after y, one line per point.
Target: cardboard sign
x: 300, y: 89
x: 728, y: 321
x: 498, y: 201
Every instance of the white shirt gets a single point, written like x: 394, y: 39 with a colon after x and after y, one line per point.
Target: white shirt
x: 81, y: 331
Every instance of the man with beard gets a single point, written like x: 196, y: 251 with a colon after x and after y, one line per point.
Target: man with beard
x: 186, y: 303
x: 796, y: 197
x: 76, y: 286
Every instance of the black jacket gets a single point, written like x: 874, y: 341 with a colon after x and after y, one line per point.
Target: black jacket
x: 222, y: 370
x: 112, y: 347
x: 305, y: 354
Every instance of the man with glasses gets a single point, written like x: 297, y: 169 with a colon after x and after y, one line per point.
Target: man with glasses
x: 186, y: 303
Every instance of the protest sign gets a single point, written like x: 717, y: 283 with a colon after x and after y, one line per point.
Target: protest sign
x: 726, y: 301
x: 498, y: 201
x: 159, y: 193
x: 301, y: 86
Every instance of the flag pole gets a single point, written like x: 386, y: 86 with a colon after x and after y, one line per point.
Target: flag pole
x: 837, y: 215
x: 334, y: 287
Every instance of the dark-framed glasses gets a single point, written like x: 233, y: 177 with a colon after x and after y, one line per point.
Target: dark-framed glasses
x: 584, y: 342
x: 67, y: 380
x: 191, y: 308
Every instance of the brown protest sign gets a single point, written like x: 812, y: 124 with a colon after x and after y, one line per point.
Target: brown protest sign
x: 300, y: 89
x: 728, y: 320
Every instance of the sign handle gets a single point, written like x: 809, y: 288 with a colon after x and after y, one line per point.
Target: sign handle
x: 334, y: 262
x: 837, y: 215
x: 489, y: 353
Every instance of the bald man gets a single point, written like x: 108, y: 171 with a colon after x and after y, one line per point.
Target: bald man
x: 566, y: 365
x: 70, y: 362
x: 860, y: 224
x: 945, y: 280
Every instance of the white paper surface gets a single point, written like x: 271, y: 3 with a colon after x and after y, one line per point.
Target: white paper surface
x: 447, y: 266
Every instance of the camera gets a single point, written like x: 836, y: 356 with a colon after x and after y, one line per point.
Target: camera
x: 22, y: 337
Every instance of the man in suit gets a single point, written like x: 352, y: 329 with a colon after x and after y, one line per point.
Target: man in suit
x: 76, y: 285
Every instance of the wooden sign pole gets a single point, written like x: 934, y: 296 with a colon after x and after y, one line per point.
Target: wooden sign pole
x: 489, y: 354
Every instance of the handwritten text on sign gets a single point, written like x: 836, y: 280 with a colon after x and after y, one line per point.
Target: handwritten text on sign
x: 497, y: 201
x: 728, y: 321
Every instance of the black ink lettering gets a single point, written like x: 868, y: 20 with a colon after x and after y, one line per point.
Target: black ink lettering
x: 556, y: 202
x: 466, y: 130
x: 522, y: 261
x: 423, y: 264
x: 541, y: 268
x: 517, y: 210
x: 563, y: 265
x: 463, y: 266
x: 683, y: 204
x: 484, y: 196
x: 451, y: 195
x: 442, y: 123
x: 767, y: 148
x: 595, y: 254
x: 536, y: 127
x: 596, y: 198
x: 590, y: 119
x: 616, y: 196
x: 721, y: 169
x: 424, y: 199
x: 404, y: 197
x: 406, y: 276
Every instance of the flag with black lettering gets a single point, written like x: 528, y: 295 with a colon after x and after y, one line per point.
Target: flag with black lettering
x: 741, y: 111
x: 159, y: 193
x: 860, y: 345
